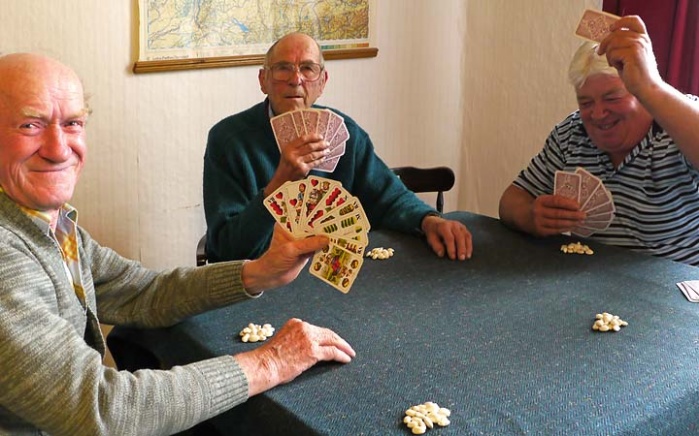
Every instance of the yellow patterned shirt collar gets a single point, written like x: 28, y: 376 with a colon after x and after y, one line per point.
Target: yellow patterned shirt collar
x: 43, y: 219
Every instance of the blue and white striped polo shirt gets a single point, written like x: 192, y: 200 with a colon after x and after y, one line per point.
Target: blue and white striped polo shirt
x: 655, y: 190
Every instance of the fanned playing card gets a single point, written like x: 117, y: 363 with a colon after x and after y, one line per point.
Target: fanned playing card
x: 295, y: 194
x: 592, y: 196
x: 318, y: 188
x: 588, y: 184
x: 320, y: 206
x: 336, y: 266
x: 567, y: 185
x: 291, y: 125
x: 297, y: 116
x: 334, y: 198
x: 284, y: 129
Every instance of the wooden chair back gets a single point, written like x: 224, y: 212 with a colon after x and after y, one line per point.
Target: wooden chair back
x: 438, y: 179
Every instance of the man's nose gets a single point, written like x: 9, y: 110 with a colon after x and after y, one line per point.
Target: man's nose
x: 296, y: 78
x: 55, y: 145
x: 599, y: 111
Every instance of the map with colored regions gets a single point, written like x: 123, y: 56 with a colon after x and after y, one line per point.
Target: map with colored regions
x: 183, y: 29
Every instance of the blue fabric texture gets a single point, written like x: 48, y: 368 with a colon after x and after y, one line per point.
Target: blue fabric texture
x: 504, y: 340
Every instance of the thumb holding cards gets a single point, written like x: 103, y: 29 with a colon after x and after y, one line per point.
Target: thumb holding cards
x: 282, y: 261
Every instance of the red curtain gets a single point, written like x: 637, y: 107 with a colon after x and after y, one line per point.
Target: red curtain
x: 673, y: 29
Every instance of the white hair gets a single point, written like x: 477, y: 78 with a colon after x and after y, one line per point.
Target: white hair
x: 586, y: 62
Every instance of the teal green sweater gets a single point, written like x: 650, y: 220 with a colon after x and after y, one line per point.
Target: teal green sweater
x: 240, y: 160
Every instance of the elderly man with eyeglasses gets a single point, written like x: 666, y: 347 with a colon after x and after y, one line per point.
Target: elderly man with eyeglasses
x: 243, y: 165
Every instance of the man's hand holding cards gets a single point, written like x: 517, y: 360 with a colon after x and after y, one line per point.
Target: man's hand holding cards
x: 594, y: 199
x: 320, y: 206
x: 291, y: 125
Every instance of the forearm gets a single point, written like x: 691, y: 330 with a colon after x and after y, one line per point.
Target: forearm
x: 514, y: 209
x: 128, y: 294
x: 677, y: 114
x: 65, y: 390
x: 50, y: 376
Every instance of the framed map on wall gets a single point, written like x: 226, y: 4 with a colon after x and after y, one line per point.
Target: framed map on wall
x: 188, y: 34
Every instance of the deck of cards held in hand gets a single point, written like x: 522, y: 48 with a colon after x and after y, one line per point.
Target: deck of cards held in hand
x: 291, y: 125
x: 320, y: 206
x: 594, y: 199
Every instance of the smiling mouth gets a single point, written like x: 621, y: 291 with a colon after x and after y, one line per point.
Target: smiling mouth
x: 606, y: 126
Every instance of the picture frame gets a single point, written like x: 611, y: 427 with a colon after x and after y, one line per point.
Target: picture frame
x: 170, y: 40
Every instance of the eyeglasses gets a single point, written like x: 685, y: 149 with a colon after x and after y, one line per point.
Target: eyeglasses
x: 284, y: 71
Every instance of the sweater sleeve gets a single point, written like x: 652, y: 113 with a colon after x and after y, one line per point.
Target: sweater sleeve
x: 51, y: 379
x: 238, y: 163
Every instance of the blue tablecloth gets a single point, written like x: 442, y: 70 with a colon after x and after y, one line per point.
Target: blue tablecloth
x: 504, y: 340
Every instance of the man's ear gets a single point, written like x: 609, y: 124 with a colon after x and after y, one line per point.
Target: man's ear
x: 261, y: 77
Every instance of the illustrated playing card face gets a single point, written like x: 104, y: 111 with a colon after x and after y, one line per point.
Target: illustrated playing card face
x: 351, y: 207
x: 317, y: 189
x: 284, y: 129
x: 347, y: 227
x: 350, y: 225
x: 349, y: 245
x: 588, y: 184
x: 594, y: 25
x: 276, y: 205
x: 335, y: 197
x: 567, y: 185
x: 337, y: 267
x: 295, y: 193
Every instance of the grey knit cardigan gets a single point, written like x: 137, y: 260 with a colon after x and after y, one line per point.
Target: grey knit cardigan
x: 52, y: 379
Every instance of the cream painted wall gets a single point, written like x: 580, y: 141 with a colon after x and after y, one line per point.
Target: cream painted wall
x: 515, y: 67
x: 449, y: 75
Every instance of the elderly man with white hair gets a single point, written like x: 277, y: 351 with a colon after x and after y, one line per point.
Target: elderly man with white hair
x: 638, y: 135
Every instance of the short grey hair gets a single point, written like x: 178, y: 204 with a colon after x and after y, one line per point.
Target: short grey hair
x: 586, y: 62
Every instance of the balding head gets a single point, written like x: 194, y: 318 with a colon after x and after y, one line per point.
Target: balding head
x: 26, y: 72
x: 42, y: 130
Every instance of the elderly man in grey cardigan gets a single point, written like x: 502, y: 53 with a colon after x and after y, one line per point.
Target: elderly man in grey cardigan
x: 56, y: 283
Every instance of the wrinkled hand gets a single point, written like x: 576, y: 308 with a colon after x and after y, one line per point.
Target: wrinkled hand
x: 628, y: 49
x: 553, y: 215
x: 447, y: 237
x: 294, y: 348
x: 282, y: 261
x: 298, y: 158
